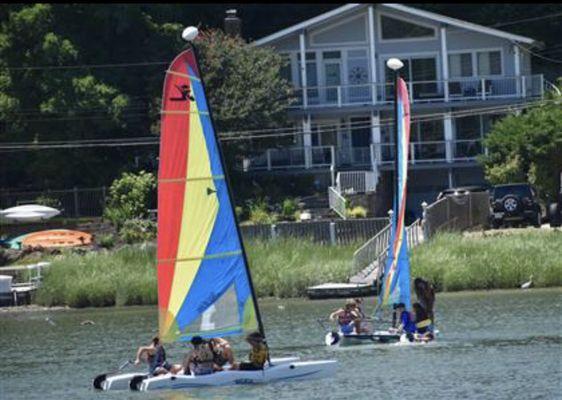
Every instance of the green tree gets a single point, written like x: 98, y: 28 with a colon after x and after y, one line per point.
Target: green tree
x: 130, y: 197
x: 246, y: 90
x: 527, y: 147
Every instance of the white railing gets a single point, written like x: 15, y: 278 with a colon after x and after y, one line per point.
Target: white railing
x: 337, y: 202
x: 461, y: 89
x: 291, y: 157
x: 356, y: 181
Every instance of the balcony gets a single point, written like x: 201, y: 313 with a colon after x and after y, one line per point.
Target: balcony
x: 324, y: 157
x: 452, y: 90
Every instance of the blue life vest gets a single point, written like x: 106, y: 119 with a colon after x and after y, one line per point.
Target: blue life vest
x: 407, y: 323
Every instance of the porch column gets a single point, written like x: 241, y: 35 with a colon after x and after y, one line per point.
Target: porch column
x: 517, y: 59
x: 303, y: 69
x: 372, y: 60
x: 444, y: 62
x: 376, y: 139
x: 307, y: 141
x: 448, y: 133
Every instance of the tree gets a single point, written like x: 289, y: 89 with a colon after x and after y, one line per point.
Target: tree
x: 527, y: 147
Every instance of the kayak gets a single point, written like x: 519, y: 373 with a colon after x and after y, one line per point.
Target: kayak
x: 288, y: 368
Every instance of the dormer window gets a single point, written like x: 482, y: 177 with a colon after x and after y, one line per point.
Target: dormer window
x: 399, y: 29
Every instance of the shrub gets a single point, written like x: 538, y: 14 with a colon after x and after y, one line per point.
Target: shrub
x: 130, y: 197
x: 47, y: 201
x: 259, y: 213
x: 357, y: 212
x: 138, y: 231
x: 107, y: 241
x: 288, y: 209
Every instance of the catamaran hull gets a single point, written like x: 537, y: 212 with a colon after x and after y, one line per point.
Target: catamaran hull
x: 123, y: 381
x: 300, y: 370
x: 338, y: 339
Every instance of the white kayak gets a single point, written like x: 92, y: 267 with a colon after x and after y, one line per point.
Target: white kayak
x: 288, y: 368
x: 377, y: 337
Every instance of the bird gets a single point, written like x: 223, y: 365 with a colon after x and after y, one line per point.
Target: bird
x: 527, y: 285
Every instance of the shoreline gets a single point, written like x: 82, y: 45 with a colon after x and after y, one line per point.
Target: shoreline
x: 39, y: 308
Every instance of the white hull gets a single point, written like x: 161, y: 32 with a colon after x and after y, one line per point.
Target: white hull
x: 28, y: 213
x: 338, y: 339
x: 299, y: 370
x: 121, y: 381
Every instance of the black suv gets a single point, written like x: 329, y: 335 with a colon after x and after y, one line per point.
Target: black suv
x: 515, y: 203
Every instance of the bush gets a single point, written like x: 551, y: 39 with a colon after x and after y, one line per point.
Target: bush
x: 138, y: 231
x: 47, y: 201
x: 130, y: 197
x: 289, y: 209
x: 259, y: 213
x: 357, y: 212
x: 107, y: 241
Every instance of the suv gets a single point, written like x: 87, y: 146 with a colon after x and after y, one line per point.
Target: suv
x: 515, y: 203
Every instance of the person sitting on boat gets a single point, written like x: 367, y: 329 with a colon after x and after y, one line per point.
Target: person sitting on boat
x: 406, y: 323
x: 155, y: 357
x: 199, y: 361
x: 258, y: 355
x: 424, y: 327
x: 222, y: 352
x: 347, y: 318
x: 359, y: 310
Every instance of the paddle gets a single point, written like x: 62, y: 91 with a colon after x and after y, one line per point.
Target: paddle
x: 100, y: 378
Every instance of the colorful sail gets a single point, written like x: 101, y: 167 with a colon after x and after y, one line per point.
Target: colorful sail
x: 396, y: 281
x: 204, y: 286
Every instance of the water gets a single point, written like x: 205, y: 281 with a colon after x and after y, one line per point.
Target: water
x: 500, y: 345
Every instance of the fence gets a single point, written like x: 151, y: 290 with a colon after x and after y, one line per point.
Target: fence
x: 356, y: 181
x: 337, y: 202
x: 456, y: 213
x: 324, y: 232
x: 86, y: 202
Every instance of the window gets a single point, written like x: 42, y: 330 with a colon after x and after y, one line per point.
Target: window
x: 489, y: 62
x: 332, y: 55
x: 360, y: 132
x: 392, y: 28
x: 468, y: 127
x: 460, y: 65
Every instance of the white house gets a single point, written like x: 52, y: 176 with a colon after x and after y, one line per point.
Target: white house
x: 461, y: 77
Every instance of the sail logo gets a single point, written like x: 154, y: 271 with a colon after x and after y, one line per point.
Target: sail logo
x: 185, y: 93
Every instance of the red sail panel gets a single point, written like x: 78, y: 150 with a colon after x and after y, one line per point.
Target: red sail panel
x: 174, y: 142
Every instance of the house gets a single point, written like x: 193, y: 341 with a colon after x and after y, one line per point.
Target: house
x: 461, y: 77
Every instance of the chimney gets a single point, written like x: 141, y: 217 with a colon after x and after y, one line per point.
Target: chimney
x: 232, y: 24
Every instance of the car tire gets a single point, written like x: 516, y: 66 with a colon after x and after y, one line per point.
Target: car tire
x: 511, y: 204
x: 554, y: 214
x: 537, y: 220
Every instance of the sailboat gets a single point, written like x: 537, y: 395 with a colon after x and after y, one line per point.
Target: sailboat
x: 204, y: 282
x: 395, y: 287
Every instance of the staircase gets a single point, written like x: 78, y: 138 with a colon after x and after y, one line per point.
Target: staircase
x: 318, y: 205
x: 350, y: 182
x: 369, y: 260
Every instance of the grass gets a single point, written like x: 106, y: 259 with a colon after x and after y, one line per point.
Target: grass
x: 285, y: 267
x: 455, y: 262
x: 127, y: 276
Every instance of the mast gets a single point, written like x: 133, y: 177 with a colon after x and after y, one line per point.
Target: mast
x: 229, y: 188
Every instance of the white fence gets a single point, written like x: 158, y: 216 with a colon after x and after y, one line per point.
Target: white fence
x: 337, y: 202
x: 356, y: 181
x: 324, y: 232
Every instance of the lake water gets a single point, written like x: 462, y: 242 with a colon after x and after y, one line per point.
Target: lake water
x: 494, y: 345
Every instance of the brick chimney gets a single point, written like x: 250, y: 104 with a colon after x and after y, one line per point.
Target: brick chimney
x: 232, y: 24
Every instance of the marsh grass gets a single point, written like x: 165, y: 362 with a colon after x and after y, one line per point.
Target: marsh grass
x: 127, y: 276
x: 454, y: 262
x: 285, y: 267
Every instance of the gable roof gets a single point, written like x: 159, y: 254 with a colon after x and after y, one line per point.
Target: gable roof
x: 398, y: 7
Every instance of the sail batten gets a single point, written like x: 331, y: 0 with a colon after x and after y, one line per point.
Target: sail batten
x: 203, y: 280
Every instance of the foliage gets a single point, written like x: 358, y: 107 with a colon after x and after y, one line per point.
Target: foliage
x: 138, y: 231
x: 527, y: 147
x: 106, y: 241
x: 453, y: 262
x: 357, y: 212
x: 259, y: 212
x: 289, y: 209
x: 130, y: 197
x: 45, y: 200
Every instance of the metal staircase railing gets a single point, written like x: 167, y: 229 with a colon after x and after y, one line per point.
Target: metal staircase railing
x: 337, y: 202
